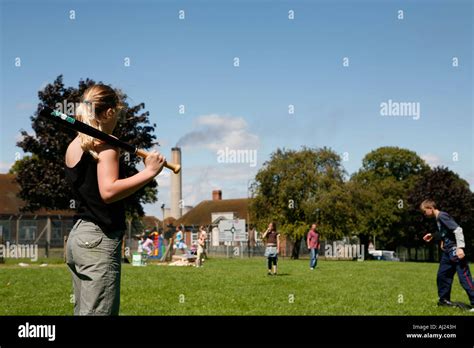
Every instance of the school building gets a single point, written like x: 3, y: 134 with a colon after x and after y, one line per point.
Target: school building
x: 46, y: 228
x: 209, y: 213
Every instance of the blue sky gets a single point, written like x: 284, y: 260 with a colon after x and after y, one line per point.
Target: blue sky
x: 190, y: 62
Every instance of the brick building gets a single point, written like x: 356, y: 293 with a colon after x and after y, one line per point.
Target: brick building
x: 44, y: 227
x: 208, y: 213
x: 37, y: 227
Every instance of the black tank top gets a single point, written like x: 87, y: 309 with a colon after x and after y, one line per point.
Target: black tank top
x: 90, y: 206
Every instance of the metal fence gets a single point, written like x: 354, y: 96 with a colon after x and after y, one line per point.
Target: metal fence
x: 243, y: 249
x: 236, y: 251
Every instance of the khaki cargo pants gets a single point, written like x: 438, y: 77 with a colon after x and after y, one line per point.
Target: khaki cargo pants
x: 94, y: 259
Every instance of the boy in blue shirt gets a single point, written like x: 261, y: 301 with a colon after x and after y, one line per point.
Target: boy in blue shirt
x: 453, y: 258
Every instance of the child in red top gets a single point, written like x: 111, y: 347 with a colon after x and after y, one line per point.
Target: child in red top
x: 313, y: 245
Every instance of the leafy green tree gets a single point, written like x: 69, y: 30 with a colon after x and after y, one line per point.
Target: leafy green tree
x: 451, y: 194
x: 41, y: 175
x: 289, y: 187
x: 18, y: 165
x: 331, y: 209
x: 379, y: 195
x: 391, y: 162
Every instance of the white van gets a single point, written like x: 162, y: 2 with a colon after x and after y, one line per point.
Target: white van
x: 385, y: 255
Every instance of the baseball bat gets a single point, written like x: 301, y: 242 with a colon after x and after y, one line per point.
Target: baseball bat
x: 72, y: 123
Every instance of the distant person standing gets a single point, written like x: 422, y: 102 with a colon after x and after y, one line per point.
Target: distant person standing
x: 204, y: 235
x: 201, y: 250
x: 313, y: 246
x: 272, y: 238
x: 179, y: 240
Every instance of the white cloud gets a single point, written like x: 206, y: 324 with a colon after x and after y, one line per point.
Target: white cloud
x: 216, y: 132
x: 212, y: 132
x: 231, y: 179
x: 432, y: 160
x: 5, y: 167
x: 199, y: 181
x: 164, y: 178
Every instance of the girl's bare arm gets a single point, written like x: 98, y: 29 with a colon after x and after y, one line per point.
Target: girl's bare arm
x: 112, y: 188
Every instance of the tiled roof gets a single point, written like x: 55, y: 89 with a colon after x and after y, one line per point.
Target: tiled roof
x: 151, y: 221
x: 201, y: 214
x: 10, y: 203
x: 170, y: 221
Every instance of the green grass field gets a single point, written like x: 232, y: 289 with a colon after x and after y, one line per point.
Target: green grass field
x: 241, y: 287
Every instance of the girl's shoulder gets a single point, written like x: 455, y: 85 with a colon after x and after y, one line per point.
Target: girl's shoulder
x: 102, y: 146
x: 105, y: 150
x: 74, y: 153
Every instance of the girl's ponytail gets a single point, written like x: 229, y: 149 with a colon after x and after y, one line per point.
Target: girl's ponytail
x: 95, y: 101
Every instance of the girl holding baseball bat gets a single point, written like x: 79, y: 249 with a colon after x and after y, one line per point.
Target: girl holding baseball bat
x: 92, y: 170
x: 272, y: 238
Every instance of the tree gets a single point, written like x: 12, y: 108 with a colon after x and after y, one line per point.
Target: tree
x: 41, y: 175
x: 330, y: 209
x: 391, y: 162
x: 451, y: 194
x: 18, y: 165
x: 289, y: 190
x: 379, y: 194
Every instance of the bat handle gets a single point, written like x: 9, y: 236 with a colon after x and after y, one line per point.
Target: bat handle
x: 173, y: 166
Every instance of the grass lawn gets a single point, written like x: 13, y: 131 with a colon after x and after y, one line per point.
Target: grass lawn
x: 241, y: 287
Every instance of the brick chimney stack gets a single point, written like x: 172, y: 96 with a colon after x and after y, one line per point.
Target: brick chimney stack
x: 216, y: 195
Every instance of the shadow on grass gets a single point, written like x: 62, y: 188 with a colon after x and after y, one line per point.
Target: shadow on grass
x: 463, y: 306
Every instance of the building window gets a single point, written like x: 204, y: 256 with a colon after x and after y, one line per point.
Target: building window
x: 56, y: 232
x: 67, y: 227
x: 5, y: 229
x: 28, y: 229
x: 194, y: 237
